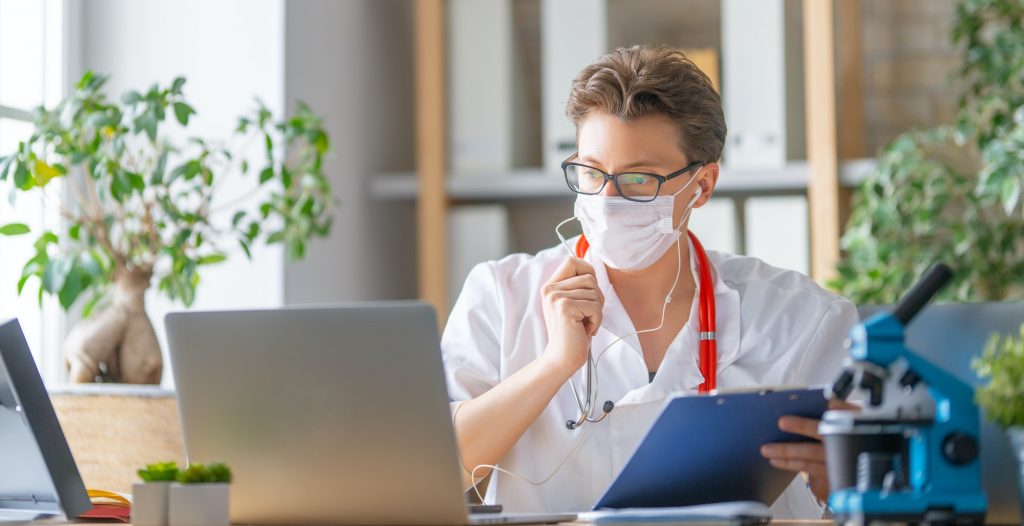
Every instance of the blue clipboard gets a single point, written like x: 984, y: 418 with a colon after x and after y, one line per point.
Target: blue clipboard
x: 706, y: 449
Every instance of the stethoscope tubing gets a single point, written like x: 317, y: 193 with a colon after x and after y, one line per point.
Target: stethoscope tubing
x: 707, y: 353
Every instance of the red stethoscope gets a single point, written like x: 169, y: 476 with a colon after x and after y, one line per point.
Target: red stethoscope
x: 708, y: 348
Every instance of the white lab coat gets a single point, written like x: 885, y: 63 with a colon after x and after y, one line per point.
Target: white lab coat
x: 775, y: 327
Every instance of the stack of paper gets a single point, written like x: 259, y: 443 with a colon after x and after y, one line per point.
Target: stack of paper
x: 731, y: 513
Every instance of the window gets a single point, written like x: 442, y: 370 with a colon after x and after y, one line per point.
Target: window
x: 32, y: 66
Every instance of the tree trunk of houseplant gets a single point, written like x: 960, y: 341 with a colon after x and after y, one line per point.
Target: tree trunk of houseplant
x: 117, y: 344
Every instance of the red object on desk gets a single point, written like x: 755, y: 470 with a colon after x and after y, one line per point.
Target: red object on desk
x: 108, y: 506
x: 110, y: 512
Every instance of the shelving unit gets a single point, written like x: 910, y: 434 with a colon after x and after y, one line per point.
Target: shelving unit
x: 822, y: 177
x: 533, y: 183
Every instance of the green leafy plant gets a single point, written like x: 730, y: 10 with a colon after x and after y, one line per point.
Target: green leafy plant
x: 142, y: 203
x: 159, y: 472
x: 952, y: 193
x: 205, y: 474
x: 1003, y: 364
x: 195, y: 473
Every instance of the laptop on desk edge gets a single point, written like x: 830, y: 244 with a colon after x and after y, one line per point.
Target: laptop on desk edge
x: 327, y: 415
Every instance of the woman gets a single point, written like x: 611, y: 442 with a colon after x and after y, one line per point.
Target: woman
x: 650, y: 131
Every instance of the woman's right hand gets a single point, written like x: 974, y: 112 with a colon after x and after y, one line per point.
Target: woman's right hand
x: 572, y: 303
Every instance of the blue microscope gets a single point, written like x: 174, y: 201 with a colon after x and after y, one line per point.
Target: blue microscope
x: 912, y: 454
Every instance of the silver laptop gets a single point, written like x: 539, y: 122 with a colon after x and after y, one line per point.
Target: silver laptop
x: 335, y: 415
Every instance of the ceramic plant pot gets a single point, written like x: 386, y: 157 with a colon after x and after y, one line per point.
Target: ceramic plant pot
x: 149, y: 503
x: 199, y: 505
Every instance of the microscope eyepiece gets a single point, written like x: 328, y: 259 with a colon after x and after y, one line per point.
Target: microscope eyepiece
x: 923, y: 292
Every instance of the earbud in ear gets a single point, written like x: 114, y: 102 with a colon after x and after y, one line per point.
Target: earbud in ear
x: 696, y: 196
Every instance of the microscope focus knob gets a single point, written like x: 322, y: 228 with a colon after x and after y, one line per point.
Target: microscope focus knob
x: 843, y: 385
x: 875, y: 385
x: 960, y: 448
x: 910, y: 379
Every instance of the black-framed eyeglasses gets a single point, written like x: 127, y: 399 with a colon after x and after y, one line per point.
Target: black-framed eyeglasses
x: 635, y: 186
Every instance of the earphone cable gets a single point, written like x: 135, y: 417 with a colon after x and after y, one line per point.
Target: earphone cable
x: 589, y: 411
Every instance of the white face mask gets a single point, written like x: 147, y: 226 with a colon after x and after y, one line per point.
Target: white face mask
x: 629, y: 235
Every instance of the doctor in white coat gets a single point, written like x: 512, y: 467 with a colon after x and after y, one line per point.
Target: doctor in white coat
x: 650, y: 131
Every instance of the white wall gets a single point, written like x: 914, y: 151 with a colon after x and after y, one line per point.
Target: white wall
x: 230, y: 51
x: 351, y: 61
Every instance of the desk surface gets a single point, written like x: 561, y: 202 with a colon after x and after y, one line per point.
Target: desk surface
x: 773, y: 523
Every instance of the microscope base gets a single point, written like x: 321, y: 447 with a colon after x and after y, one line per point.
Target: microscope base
x: 932, y: 518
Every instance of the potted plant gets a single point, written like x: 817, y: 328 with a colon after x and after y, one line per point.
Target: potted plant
x: 200, y: 497
x: 951, y: 193
x: 149, y: 497
x: 1002, y: 399
x: 140, y: 206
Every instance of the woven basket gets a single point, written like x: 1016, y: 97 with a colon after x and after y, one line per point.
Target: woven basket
x: 114, y: 430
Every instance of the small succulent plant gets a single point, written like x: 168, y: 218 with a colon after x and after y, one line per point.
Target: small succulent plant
x: 159, y: 472
x: 194, y: 473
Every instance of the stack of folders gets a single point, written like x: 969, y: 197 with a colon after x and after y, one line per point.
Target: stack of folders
x: 722, y: 514
x: 108, y: 505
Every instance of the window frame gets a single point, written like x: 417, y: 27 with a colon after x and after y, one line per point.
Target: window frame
x: 61, y: 60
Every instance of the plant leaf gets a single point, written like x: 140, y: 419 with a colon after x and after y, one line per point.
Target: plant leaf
x: 22, y: 177
x: 211, y: 259
x: 77, y: 281
x: 178, y: 83
x: 131, y: 97
x: 14, y: 229
x: 21, y: 283
x: 182, y: 112
x: 1010, y: 194
x: 157, y: 176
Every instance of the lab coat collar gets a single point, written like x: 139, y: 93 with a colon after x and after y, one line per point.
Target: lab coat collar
x: 679, y: 371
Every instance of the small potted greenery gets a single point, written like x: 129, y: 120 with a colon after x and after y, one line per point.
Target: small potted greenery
x: 149, y: 497
x: 1002, y: 398
x: 195, y: 496
x: 200, y: 497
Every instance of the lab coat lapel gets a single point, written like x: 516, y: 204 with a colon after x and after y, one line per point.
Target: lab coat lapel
x: 615, y: 321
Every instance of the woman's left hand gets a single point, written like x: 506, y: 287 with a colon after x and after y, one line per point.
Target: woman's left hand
x: 806, y: 457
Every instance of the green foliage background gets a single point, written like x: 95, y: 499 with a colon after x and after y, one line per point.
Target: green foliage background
x: 951, y: 193
x: 136, y: 203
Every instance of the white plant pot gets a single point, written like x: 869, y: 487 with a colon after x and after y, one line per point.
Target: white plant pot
x: 198, y: 505
x: 149, y: 503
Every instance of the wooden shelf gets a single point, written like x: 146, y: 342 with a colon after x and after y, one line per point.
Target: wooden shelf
x: 533, y: 183
x: 822, y: 178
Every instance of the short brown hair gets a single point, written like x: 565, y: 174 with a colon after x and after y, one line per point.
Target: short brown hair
x: 634, y: 82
